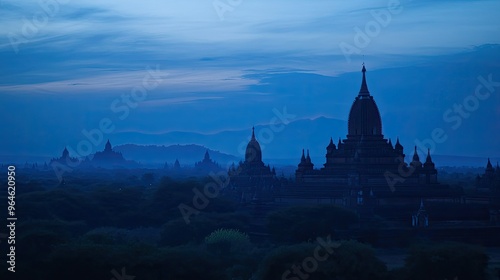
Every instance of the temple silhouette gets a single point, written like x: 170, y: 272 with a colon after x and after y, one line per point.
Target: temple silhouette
x: 367, y: 169
x: 365, y: 157
x: 108, y: 158
x: 64, y: 159
x: 252, y: 180
x: 207, y: 165
x: 488, y: 188
x: 364, y: 171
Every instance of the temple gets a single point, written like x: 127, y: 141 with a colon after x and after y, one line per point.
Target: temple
x: 488, y: 187
x: 364, y: 171
x: 365, y: 157
x: 65, y: 159
x: 110, y: 159
x: 252, y: 180
x: 207, y: 165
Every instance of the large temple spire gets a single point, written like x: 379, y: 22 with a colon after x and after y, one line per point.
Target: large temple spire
x: 253, y: 152
x: 364, y: 117
x: 364, y: 87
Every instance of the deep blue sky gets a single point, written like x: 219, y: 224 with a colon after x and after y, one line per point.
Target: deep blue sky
x: 63, y: 65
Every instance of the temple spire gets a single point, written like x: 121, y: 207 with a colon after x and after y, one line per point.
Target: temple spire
x: 364, y: 88
x: 415, y: 155
x: 489, y: 166
x: 398, y: 147
x: 253, y: 132
x: 428, y: 159
x: 65, y: 153
x: 330, y: 146
x: 108, y: 147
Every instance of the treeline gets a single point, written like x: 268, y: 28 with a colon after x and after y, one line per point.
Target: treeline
x: 76, y: 232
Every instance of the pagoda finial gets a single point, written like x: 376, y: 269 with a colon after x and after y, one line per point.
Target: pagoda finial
x: 364, y: 87
x: 303, y: 158
x: 415, y: 155
x: 65, y: 153
x: 398, y: 145
x: 308, y: 158
x: 330, y: 146
x: 253, y: 132
x: 489, y: 166
x: 428, y: 161
x: 108, y: 147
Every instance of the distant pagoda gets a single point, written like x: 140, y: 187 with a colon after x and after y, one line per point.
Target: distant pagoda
x: 65, y: 159
x: 110, y: 159
x: 252, y: 180
x: 207, y: 165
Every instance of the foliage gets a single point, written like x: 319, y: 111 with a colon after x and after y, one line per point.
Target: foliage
x: 63, y: 204
x: 177, y: 232
x: 227, y: 240
x: 446, y: 261
x: 233, y: 236
x: 350, y: 261
x: 303, y: 223
x: 112, y: 235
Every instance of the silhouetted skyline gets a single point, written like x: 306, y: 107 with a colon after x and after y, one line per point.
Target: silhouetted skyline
x: 209, y: 74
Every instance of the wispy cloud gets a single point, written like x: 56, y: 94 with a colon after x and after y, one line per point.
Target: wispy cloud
x: 264, y: 54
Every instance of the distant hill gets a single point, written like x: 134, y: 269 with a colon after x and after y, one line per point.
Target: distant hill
x: 158, y: 155
x: 414, y: 101
x: 313, y: 134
